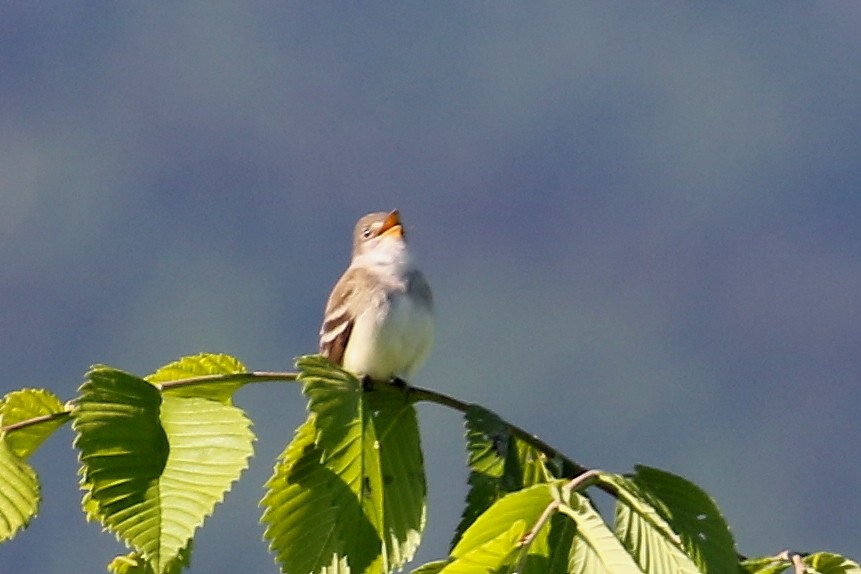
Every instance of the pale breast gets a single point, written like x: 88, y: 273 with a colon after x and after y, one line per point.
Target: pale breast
x: 390, y: 339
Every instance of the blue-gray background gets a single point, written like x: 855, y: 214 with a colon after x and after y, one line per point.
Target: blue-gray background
x: 641, y: 224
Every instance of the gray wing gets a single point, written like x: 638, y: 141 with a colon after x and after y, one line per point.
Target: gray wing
x: 418, y: 285
x: 340, y: 314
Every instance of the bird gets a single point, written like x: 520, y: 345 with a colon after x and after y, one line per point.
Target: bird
x: 379, y: 319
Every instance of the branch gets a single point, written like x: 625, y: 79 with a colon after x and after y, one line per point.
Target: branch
x: 251, y: 377
x: 420, y: 394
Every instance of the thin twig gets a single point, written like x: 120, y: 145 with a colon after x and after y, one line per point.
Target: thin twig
x: 35, y: 421
x: 244, y: 378
x: 581, y: 480
x: 420, y: 394
x: 797, y: 560
x: 542, y: 520
x: 574, y: 484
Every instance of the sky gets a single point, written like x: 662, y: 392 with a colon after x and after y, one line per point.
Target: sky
x: 640, y: 223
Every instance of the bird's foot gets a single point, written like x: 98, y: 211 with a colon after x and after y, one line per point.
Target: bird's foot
x: 367, y: 383
x: 399, y: 383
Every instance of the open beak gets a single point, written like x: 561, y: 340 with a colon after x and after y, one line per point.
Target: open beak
x: 392, y: 225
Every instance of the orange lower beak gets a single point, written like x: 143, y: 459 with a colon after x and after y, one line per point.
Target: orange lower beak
x: 392, y: 225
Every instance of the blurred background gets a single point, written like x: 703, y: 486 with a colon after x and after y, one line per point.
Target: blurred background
x: 641, y: 225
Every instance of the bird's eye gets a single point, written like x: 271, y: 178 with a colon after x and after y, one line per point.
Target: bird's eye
x: 366, y: 232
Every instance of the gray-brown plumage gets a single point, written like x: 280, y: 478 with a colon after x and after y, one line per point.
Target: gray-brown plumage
x: 379, y: 318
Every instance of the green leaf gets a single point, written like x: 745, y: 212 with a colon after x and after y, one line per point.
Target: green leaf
x: 430, y: 567
x: 132, y: 563
x: 123, y: 447
x: 525, y: 505
x: 19, y: 493
x: 403, y: 474
x: 764, y: 565
x: 559, y: 541
x: 494, y: 555
x: 828, y: 563
x: 818, y: 563
x: 336, y: 398
x: 487, y: 438
x: 499, y: 463
x: 348, y: 493
x: 135, y: 563
x: 347, y: 439
x: 199, y: 366
x: 19, y: 485
x: 27, y: 404
x: 654, y: 544
x: 300, y: 512
x: 693, y: 514
x: 547, y: 551
x: 595, y: 549
x: 154, y: 466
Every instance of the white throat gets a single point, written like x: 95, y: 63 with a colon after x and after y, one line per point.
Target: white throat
x: 388, y: 255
